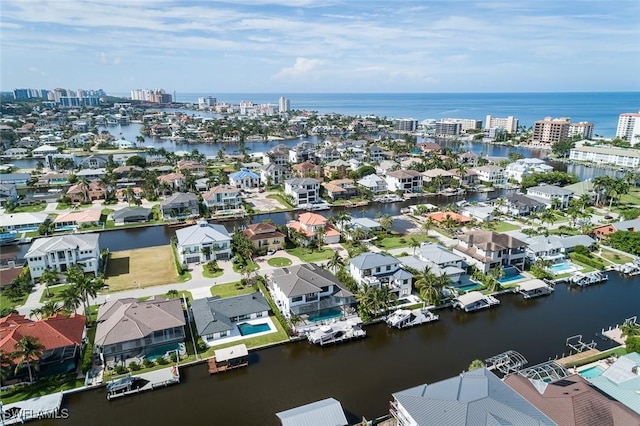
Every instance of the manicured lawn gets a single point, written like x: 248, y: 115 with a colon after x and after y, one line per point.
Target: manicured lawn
x: 231, y: 289
x: 506, y: 226
x: 208, y: 274
x: 615, y: 257
x: 397, y: 241
x: 5, y: 302
x: 55, y: 291
x: 633, y: 197
x: 43, y: 386
x: 181, y: 293
x: 250, y: 267
x: 139, y: 268
x: 32, y: 208
x: 308, y: 255
x: 618, y: 351
x: 279, y: 262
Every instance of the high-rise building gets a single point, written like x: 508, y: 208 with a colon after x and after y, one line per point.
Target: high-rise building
x: 465, y: 123
x: 508, y: 124
x: 406, y: 124
x: 157, y: 96
x: 283, y: 105
x: 583, y: 129
x: 21, y: 94
x: 447, y: 128
x: 629, y: 127
x: 551, y: 130
x: 206, y: 102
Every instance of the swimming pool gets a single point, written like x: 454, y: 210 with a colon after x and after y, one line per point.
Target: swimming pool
x: 470, y: 287
x: 512, y: 278
x: 161, y: 351
x: 325, y: 314
x: 563, y: 267
x: 591, y: 372
x: 247, y: 329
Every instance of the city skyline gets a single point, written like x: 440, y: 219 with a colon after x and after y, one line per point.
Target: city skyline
x: 294, y: 46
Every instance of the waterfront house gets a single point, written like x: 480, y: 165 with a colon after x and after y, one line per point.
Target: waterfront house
x: 429, y: 147
x: 481, y: 213
x: 446, y: 217
x: 544, y: 248
x: 373, y: 183
x: 61, y: 252
x: 44, y: 150
x: 15, y: 153
x: 94, y: 161
x: 310, y: 224
x: 217, y: 318
x: 173, y: 180
x: 307, y: 169
x: 340, y: 189
x: 223, y: 197
x: 181, y: 205
x: 439, y: 177
x: 569, y: 243
x: 439, y: 260
x: 520, y: 205
x: 385, y: 166
x: 378, y: 269
x: 130, y: 328
x: 325, y: 412
x: 337, y: 169
x: 468, y: 158
x: 491, y: 175
x: 369, y: 226
x: 123, y: 144
x: 53, y: 179
x: 190, y: 166
x: 8, y: 192
x: 524, y: 167
x: 274, y: 174
x: 303, y: 190
x: 604, y: 231
x: 22, y: 221
x: 488, y: 249
x: 572, y: 401
x: 61, y: 336
x: 629, y: 158
x: 551, y: 195
x: 404, y: 180
x: 91, y: 174
x: 265, y: 237
x: 131, y: 215
x: 203, y: 242
x: 244, y: 179
x: 308, y: 289
x: 278, y: 155
x: 621, y: 381
x: 477, y: 393
x: 73, y: 220
x: 466, y: 178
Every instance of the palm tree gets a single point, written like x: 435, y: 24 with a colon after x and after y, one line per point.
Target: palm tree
x: 49, y: 277
x: 71, y: 299
x: 414, y: 244
x: 548, y: 216
x: 335, y: 262
x: 427, y: 284
x: 87, y: 286
x: 50, y: 308
x: 28, y: 349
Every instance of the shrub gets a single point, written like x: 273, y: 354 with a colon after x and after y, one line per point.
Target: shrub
x: 582, y: 250
x: 201, y: 345
x: 87, y: 358
x: 174, y: 357
x: 134, y: 366
x: 147, y: 363
x: 120, y: 369
x: 175, y: 258
x: 587, y: 260
x: 161, y: 361
x: 173, y: 293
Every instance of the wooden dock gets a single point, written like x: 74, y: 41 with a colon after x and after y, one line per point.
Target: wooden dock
x: 577, y: 358
x: 228, y: 359
x: 214, y: 369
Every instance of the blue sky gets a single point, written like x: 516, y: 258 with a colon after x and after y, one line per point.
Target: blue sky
x: 321, y: 45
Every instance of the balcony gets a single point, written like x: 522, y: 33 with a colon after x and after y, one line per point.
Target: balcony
x: 395, y: 412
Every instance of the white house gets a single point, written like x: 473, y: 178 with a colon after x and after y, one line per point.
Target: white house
x: 488, y: 249
x: 123, y: 144
x: 373, y: 183
x: 548, y: 193
x: 377, y: 269
x: 404, y: 180
x: 222, y: 197
x: 307, y: 289
x: 244, y: 179
x: 491, y: 175
x: 525, y: 167
x: 22, y: 221
x: 43, y: 151
x: 439, y: 260
x: 274, y: 174
x: 303, y: 190
x: 61, y: 252
x: 203, y: 242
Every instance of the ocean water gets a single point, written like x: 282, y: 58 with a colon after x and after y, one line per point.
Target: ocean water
x: 599, y: 108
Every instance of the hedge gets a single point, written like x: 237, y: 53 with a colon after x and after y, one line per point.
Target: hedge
x: 176, y: 259
x: 274, y: 308
x: 587, y: 260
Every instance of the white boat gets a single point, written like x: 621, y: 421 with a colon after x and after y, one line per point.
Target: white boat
x: 339, y: 331
x: 474, y: 301
x: 584, y: 280
x: 122, y: 384
x: 403, y: 318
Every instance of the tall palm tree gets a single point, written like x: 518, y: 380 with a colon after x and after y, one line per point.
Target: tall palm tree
x: 28, y: 349
x: 49, y: 277
x: 50, y: 308
x: 71, y: 299
x: 335, y: 262
x: 414, y: 244
x: 427, y: 284
x: 86, y: 286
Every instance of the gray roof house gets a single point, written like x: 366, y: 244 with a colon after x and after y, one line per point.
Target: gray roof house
x: 521, y: 205
x: 15, y: 178
x: 203, y: 242
x: 320, y: 413
x: 476, y: 397
x: 440, y: 260
x: 548, y: 193
x: 569, y: 243
x: 180, y: 205
x: 63, y: 251
x: 129, y: 328
x: 378, y: 269
x: 131, y: 215
x: 218, y: 317
x: 308, y: 288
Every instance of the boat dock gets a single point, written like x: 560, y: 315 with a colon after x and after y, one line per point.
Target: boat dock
x: 228, y: 359
x: 578, y: 358
x: 587, y: 279
x: 534, y: 288
x: 337, y: 332
x: 404, y: 318
x: 474, y: 301
x: 42, y: 407
x: 152, y: 380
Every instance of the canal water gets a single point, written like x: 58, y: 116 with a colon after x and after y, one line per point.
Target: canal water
x: 363, y: 374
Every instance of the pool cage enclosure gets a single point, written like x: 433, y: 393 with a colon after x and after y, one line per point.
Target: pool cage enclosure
x: 512, y: 362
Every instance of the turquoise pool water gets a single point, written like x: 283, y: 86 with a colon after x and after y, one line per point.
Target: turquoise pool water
x: 161, y: 351
x: 470, y: 287
x: 559, y: 268
x: 591, y: 372
x: 325, y: 314
x: 247, y: 329
x: 513, y: 278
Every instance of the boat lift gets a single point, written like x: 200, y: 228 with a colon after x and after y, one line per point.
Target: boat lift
x: 576, y: 344
x: 506, y: 362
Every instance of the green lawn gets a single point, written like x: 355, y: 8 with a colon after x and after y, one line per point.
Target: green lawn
x: 308, y: 255
x: 231, y: 289
x: 6, y: 303
x: 251, y: 267
x: 56, y: 293
x: 32, y: 208
x: 506, y: 226
x: 618, y: 351
x: 397, y: 241
x: 280, y: 199
x: 633, y: 197
x: 615, y: 257
x: 43, y: 386
x: 208, y: 274
x: 279, y: 262
x: 181, y: 293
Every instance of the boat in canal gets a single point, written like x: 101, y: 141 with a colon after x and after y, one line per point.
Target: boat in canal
x: 122, y: 384
x: 475, y: 301
x: 336, y: 332
x: 404, y: 318
x: 534, y: 288
x: 587, y: 279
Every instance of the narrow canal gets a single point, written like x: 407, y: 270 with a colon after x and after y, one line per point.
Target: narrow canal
x: 363, y: 374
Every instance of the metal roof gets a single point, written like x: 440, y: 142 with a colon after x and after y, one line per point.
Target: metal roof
x: 373, y: 260
x: 327, y: 412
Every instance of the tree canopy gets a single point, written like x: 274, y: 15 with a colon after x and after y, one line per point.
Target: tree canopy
x: 628, y: 241
x: 553, y: 178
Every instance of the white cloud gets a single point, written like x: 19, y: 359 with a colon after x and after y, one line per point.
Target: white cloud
x: 302, y: 66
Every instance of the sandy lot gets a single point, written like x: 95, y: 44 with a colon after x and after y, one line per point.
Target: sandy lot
x: 139, y: 268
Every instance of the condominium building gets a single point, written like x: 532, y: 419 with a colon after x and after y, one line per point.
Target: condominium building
x: 629, y: 127
x: 583, y: 129
x: 465, y: 123
x: 284, y: 105
x: 206, y: 102
x: 606, y: 155
x: 406, y: 124
x: 447, y: 128
x: 508, y: 124
x: 157, y: 96
x: 551, y: 130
